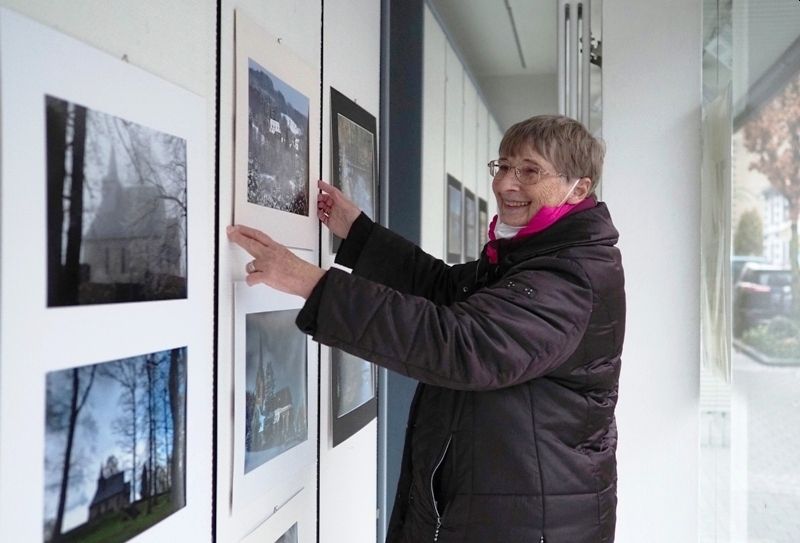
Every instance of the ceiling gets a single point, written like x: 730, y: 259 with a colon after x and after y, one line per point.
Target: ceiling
x: 481, y: 31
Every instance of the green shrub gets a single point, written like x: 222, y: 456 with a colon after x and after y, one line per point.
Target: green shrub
x: 778, y: 338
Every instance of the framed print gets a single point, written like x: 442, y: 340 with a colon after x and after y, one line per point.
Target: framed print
x: 106, y: 172
x: 354, y: 151
x: 277, y: 110
x: 128, y: 417
x: 470, y: 225
x: 483, y: 223
x: 354, y: 399
x: 455, y: 232
x: 275, y: 382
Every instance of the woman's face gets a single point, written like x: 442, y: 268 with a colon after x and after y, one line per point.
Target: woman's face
x: 518, y: 203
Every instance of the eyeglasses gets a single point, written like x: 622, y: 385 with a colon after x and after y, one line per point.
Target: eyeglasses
x: 529, y: 175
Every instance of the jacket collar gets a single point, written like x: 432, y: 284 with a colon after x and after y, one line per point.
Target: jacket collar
x: 591, y: 226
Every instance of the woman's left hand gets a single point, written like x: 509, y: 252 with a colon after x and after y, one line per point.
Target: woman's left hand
x: 273, y: 264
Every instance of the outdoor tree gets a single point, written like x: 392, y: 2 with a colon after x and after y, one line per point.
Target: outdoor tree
x: 773, y: 135
x: 749, y: 236
x: 177, y: 399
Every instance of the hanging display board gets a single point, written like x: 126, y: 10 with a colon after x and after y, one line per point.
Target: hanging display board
x: 106, y: 296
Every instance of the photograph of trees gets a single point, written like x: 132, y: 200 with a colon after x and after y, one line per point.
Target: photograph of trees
x: 276, y: 386
x: 277, y: 158
x: 116, y: 209
x: 115, y: 447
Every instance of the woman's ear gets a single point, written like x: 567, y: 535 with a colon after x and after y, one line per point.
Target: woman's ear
x: 581, y: 191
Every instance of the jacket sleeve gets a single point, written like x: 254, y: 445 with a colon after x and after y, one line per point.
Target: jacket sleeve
x: 378, y: 254
x: 520, y: 328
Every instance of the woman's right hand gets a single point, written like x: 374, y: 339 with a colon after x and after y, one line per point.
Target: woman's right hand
x: 335, y: 210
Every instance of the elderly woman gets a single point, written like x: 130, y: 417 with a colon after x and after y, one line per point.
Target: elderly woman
x: 511, y: 434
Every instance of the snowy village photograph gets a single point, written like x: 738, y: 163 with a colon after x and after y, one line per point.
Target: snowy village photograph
x: 276, y: 386
x: 116, y: 209
x: 277, y: 159
x: 115, y: 447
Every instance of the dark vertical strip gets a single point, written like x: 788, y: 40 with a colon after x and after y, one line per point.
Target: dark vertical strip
x: 319, y: 249
x: 401, y: 165
x: 215, y: 332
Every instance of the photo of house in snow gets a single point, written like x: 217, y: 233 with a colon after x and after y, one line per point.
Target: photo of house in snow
x: 277, y: 159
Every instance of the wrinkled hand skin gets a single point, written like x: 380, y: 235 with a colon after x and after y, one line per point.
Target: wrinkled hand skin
x: 275, y: 265
x: 335, y: 210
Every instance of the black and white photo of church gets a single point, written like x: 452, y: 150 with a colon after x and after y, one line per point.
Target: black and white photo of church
x: 116, y: 197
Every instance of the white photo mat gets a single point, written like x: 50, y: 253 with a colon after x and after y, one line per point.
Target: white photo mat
x: 38, y: 61
x: 254, y: 43
x: 298, y: 510
x: 269, y: 483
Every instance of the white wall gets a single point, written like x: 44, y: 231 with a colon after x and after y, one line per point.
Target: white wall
x: 651, y: 124
x: 459, y: 134
x: 347, y: 483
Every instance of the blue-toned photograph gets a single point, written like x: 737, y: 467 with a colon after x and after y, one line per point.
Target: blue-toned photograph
x: 115, y: 447
x: 276, y: 383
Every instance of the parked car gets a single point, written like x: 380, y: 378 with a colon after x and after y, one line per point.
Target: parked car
x: 761, y: 292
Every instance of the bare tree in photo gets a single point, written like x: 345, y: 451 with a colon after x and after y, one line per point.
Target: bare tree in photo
x: 126, y: 425
x: 177, y: 397
x: 56, y: 120
x: 57, y: 418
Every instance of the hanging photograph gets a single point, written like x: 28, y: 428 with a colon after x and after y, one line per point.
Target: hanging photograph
x: 277, y: 110
x: 116, y: 209
x: 483, y: 223
x: 455, y: 235
x: 353, y: 155
x: 470, y: 225
x: 276, y: 397
x: 275, y: 382
x: 277, y: 155
x: 353, y: 394
x: 115, y: 447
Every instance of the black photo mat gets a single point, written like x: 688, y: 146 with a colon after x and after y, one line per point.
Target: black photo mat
x: 470, y: 225
x: 348, y: 422
x: 454, y: 230
x: 483, y: 222
x: 354, y: 152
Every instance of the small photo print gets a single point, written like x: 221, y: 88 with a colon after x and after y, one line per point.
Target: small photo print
x: 276, y: 383
x: 455, y: 234
x: 278, y: 150
x: 115, y: 447
x: 290, y: 536
x: 470, y: 225
x: 483, y: 222
x: 355, y: 382
x: 116, y: 209
x: 357, y: 164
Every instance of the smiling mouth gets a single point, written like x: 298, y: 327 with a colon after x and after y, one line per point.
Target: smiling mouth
x: 506, y: 203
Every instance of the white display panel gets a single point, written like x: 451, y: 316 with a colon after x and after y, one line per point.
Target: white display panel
x: 35, y: 340
x: 270, y: 480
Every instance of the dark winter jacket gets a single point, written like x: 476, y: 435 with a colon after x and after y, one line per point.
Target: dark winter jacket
x: 511, y: 435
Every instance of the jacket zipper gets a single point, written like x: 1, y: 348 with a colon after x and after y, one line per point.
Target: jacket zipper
x: 433, y: 495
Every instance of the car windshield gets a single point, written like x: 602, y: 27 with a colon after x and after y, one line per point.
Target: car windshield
x: 771, y: 278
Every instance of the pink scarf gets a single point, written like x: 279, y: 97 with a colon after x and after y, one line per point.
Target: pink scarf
x: 544, y: 218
